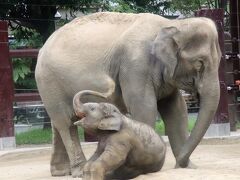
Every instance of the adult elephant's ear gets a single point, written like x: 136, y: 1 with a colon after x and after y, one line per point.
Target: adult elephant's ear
x: 165, y: 48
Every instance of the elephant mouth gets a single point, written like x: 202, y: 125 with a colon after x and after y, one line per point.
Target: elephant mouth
x: 190, y: 85
x: 80, y: 115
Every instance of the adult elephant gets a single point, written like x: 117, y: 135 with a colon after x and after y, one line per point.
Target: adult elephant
x: 142, y: 60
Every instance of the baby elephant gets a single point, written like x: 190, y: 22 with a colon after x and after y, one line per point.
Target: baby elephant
x: 126, y: 148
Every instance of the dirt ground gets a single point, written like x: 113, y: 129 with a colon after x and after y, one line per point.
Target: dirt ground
x: 216, y: 160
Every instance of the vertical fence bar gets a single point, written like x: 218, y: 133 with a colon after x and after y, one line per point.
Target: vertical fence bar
x: 7, y: 139
x: 234, y: 18
x: 234, y: 61
x: 220, y: 124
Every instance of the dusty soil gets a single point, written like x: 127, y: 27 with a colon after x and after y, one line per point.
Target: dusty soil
x: 216, y: 160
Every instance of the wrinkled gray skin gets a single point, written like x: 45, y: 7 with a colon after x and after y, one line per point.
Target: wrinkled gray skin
x: 142, y: 60
x: 126, y: 148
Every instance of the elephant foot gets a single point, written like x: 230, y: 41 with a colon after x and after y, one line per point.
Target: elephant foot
x: 76, y: 173
x: 60, y: 170
x: 191, y: 165
x: 188, y: 165
x: 77, y: 169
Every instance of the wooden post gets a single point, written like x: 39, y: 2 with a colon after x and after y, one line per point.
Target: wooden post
x: 7, y: 138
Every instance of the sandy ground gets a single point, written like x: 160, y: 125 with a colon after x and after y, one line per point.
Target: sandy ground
x: 216, y: 160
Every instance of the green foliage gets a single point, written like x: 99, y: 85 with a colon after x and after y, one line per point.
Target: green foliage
x: 191, y: 122
x: 187, y: 7
x: 28, y: 37
x: 139, y: 6
x: 23, y: 67
x: 40, y: 136
x: 22, y: 73
x: 160, y: 128
x: 81, y: 133
x: 238, y: 124
x: 44, y: 136
x: 122, y: 6
x: 36, y: 136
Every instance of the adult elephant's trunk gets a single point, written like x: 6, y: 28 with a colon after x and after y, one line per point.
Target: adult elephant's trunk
x: 78, y: 105
x: 209, y: 98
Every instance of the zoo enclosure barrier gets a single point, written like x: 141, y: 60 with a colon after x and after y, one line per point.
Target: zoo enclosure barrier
x: 233, y: 63
x: 7, y: 138
x: 7, y: 95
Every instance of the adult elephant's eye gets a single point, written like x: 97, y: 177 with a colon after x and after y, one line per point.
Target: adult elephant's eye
x: 92, y: 109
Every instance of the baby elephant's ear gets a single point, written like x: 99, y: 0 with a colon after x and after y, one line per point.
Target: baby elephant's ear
x: 110, y: 123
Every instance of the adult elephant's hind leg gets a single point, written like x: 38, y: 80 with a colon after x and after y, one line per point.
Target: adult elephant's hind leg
x: 65, y: 139
x: 79, y: 158
x: 68, y: 133
x: 174, y: 113
x: 60, y: 164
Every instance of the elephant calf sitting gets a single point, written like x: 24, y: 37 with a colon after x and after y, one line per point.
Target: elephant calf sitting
x: 126, y: 148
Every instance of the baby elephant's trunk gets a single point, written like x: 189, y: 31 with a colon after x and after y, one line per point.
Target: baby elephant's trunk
x: 78, y: 105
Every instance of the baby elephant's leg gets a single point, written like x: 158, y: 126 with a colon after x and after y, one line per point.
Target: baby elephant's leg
x: 93, y: 171
x: 124, y: 173
x: 113, y: 157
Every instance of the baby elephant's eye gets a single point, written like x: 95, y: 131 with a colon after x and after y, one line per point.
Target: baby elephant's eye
x: 114, y: 110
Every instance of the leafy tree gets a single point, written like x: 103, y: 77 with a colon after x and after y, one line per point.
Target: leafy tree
x: 140, y: 6
x: 189, y: 6
x: 38, y: 14
x: 161, y: 7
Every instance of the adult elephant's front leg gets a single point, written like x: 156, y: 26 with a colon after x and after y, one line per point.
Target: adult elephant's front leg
x: 174, y: 113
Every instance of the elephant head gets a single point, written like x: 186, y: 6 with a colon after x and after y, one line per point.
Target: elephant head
x: 189, y: 56
x: 94, y: 116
